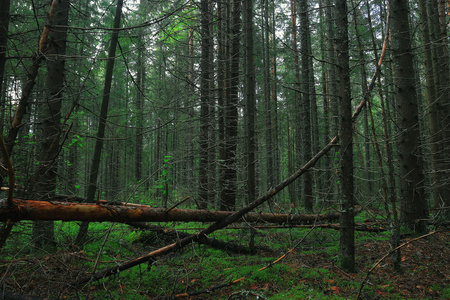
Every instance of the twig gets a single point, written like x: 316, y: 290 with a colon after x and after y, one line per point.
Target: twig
x: 182, y: 201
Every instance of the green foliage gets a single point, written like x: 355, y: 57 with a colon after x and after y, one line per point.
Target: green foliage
x: 303, y: 291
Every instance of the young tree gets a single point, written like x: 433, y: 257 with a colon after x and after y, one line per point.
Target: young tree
x: 414, y: 209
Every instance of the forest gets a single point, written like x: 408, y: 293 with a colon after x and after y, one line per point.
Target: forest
x: 233, y: 149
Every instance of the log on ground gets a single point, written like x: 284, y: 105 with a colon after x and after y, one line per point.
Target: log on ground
x: 64, y: 211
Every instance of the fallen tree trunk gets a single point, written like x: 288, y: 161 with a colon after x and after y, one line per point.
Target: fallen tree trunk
x: 367, y: 227
x: 65, y: 211
x: 175, y: 234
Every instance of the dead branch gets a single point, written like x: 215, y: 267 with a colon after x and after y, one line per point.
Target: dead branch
x: 176, y: 234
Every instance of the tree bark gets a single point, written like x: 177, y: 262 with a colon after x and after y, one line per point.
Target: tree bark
x: 205, y: 79
x: 69, y: 211
x: 140, y: 92
x: 267, y: 99
x: 229, y: 187
x: 414, y: 208
x: 297, y: 109
x: 347, y: 232
x: 306, y: 102
x: 250, y: 100
x: 49, y: 128
x: 332, y: 93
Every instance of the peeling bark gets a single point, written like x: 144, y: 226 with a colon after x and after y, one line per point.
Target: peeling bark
x: 65, y: 211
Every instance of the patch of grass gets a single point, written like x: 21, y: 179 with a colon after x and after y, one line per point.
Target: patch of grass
x: 304, y: 291
x: 316, y: 273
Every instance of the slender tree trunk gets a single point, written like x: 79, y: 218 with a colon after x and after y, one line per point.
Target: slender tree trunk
x: 140, y: 84
x: 92, y: 187
x: 250, y: 100
x: 367, y: 141
x: 204, y: 106
x: 332, y: 92
x: 414, y: 208
x: 298, y: 100
x: 49, y: 127
x: 228, y: 192
x: 222, y: 77
x: 190, y: 107
x: 275, y: 134
x: 347, y: 232
x: 325, y: 176
x: 267, y: 99
x: 306, y: 101
x: 212, y: 113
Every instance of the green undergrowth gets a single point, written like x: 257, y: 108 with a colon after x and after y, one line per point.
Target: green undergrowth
x: 308, y: 272
x: 198, y: 267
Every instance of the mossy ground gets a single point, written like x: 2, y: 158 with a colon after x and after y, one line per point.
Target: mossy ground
x: 308, y: 272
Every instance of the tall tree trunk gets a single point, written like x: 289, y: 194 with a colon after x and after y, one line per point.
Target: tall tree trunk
x: 212, y: 178
x: 332, y: 91
x: 92, y: 187
x: 414, y: 208
x: 367, y: 141
x: 267, y: 99
x: 205, y: 79
x: 297, y: 111
x: 325, y: 176
x: 347, y: 231
x: 306, y: 101
x: 140, y: 85
x: 222, y: 78
x: 434, y: 127
x: 190, y: 101
x: 250, y: 99
x: 274, y: 98
x: 228, y: 192
x: 49, y: 127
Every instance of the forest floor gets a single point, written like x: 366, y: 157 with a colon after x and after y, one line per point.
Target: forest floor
x: 308, y: 272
